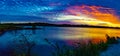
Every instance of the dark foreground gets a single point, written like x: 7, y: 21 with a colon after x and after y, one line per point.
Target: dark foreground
x: 24, y: 47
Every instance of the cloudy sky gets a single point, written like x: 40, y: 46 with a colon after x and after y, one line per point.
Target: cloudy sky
x: 93, y: 12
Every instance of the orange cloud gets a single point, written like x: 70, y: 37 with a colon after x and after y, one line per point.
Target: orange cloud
x: 97, y: 12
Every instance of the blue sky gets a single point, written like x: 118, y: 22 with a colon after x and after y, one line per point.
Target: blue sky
x: 37, y: 6
x: 44, y: 8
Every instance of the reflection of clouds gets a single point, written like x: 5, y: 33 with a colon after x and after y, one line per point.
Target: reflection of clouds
x: 87, y: 33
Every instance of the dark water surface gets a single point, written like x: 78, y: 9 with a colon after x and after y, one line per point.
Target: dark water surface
x: 62, y: 35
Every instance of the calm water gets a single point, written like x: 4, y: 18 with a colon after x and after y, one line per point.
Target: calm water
x: 62, y: 35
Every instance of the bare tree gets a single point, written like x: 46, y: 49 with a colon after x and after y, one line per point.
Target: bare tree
x: 23, y: 46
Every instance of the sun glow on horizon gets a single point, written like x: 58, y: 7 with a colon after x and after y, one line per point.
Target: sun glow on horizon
x: 90, y: 15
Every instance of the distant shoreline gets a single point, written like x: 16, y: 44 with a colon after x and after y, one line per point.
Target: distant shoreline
x: 58, y: 25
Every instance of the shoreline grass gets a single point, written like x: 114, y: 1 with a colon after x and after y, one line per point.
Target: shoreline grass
x: 90, y: 49
x: 22, y: 46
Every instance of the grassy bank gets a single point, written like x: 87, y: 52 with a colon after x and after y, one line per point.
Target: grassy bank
x: 24, y: 46
x: 6, y: 27
x: 89, y: 49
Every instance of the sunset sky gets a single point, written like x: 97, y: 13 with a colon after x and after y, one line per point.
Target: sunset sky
x: 90, y: 12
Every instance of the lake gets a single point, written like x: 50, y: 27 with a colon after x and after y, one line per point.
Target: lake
x: 61, y: 35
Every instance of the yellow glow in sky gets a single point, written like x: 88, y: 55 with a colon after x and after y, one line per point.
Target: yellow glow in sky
x: 86, y: 20
x: 91, y: 15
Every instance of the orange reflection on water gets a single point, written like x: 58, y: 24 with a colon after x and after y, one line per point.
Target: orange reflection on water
x: 98, y: 34
x: 94, y: 34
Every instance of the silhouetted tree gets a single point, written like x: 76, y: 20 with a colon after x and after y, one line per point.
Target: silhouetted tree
x: 23, y: 46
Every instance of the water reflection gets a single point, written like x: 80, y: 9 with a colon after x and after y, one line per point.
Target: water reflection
x: 67, y: 33
x: 92, y: 33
